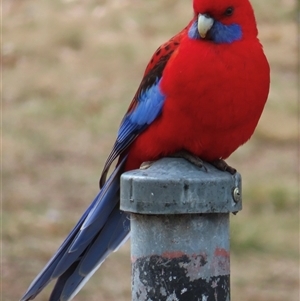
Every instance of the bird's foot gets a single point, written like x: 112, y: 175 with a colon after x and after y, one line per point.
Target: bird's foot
x: 193, y: 159
x: 146, y: 164
x: 223, y: 166
x: 190, y: 158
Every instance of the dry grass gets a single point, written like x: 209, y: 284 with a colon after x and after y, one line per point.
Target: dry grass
x: 70, y: 69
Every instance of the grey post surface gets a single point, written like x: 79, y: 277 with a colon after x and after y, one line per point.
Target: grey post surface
x: 180, y: 230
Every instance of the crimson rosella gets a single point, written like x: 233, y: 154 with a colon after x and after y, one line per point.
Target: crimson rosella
x: 202, y: 92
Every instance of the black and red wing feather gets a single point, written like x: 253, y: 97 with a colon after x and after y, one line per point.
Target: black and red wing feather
x: 156, y: 65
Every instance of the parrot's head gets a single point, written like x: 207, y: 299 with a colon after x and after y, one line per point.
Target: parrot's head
x: 223, y: 21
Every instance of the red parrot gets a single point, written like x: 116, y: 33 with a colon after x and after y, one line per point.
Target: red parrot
x: 203, y: 93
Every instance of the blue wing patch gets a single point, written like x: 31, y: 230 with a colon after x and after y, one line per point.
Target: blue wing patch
x: 149, y: 106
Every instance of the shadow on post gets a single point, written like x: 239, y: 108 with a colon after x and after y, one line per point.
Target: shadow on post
x: 180, y: 230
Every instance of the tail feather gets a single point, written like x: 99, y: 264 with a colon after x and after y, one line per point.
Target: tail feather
x: 98, y: 216
x: 60, y: 283
x: 45, y: 276
x: 115, y: 230
x: 108, y: 192
x: 84, y: 237
x: 119, y: 225
x: 100, y: 230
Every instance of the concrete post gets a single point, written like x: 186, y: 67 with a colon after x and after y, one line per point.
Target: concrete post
x: 180, y: 230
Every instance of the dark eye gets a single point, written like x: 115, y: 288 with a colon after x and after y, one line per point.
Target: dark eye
x: 229, y: 11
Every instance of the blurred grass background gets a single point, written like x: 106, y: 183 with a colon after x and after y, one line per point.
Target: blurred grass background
x: 70, y: 69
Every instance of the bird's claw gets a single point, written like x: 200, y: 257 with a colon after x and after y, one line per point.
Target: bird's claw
x: 223, y: 166
x: 146, y: 164
x: 193, y: 159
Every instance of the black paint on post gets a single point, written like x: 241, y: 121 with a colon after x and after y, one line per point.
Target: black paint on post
x: 166, y: 279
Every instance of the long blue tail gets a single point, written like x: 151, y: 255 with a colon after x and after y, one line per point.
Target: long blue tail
x: 100, y: 231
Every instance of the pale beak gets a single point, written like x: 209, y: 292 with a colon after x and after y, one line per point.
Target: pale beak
x: 205, y: 23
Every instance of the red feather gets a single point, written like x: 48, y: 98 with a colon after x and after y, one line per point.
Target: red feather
x: 215, y: 94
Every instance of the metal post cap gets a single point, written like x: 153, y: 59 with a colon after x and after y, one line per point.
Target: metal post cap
x: 175, y: 186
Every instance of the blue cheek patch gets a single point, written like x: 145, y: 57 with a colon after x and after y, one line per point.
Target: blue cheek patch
x: 193, y: 32
x: 219, y: 33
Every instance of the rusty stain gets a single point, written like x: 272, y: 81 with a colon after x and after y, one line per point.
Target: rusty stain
x: 133, y: 259
x: 171, y: 255
x: 221, y: 262
x: 221, y: 252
